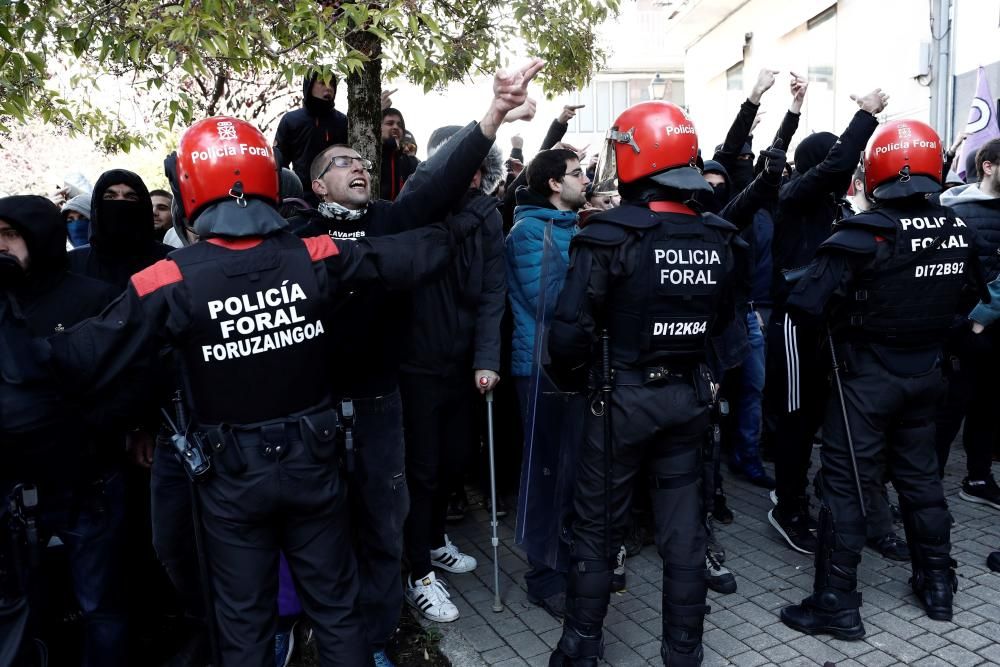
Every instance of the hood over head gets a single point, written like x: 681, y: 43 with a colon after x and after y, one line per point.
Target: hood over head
x: 716, y: 200
x: 41, y: 225
x: 80, y: 204
x: 120, y: 226
x: 813, y: 149
x: 962, y: 194
x: 315, y: 105
x: 492, y: 167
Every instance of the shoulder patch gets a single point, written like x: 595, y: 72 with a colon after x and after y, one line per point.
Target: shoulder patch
x: 600, y: 232
x: 853, y: 240
x: 163, y: 273
x: 320, y: 247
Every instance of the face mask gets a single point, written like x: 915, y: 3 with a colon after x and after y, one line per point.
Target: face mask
x: 124, y: 225
x: 11, y: 272
x: 78, y: 231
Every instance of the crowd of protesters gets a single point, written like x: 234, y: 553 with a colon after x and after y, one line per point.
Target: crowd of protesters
x: 104, y: 557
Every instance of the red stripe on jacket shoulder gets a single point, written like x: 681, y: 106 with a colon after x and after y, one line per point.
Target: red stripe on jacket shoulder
x: 321, y: 247
x: 163, y: 273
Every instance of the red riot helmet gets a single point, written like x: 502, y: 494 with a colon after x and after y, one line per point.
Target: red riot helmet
x: 654, y: 140
x: 903, y: 158
x: 223, y: 158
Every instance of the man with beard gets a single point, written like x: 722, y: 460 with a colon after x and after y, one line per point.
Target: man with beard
x: 50, y: 446
x: 368, y: 353
x: 396, y: 165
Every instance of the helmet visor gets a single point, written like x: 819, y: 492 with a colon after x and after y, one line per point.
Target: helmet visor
x: 606, y: 174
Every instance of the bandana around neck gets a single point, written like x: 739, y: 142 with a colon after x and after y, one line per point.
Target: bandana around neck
x: 331, y: 209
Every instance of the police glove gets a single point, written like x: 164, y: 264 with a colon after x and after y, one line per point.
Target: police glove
x: 774, y: 161
x: 467, y: 221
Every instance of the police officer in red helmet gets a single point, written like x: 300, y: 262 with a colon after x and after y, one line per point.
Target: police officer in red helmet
x: 650, y: 291
x: 889, y: 283
x: 248, y: 311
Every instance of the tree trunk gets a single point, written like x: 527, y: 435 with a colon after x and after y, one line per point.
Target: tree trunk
x: 364, y: 104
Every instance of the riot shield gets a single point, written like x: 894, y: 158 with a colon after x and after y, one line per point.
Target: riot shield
x: 553, y: 429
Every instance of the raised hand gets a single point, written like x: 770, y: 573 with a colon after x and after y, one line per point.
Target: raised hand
x: 798, y: 86
x: 387, y: 98
x: 568, y: 112
x: 524, y: 112
x: 874, y: 102
x: 765, y: 79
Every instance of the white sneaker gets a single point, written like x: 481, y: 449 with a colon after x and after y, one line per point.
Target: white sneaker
x: 430, y: 598
x: 450, y: 559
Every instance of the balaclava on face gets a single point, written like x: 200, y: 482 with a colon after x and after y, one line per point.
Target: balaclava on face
x: 317, y: 106
x: 121, y: 226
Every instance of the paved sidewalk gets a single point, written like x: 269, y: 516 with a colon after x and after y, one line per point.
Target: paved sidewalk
x: 743, y: 628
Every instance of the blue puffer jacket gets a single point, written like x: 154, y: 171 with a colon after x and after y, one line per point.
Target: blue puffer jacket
x: 524, y: 269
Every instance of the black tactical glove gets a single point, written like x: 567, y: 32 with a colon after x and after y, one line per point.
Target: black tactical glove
x: 774, y: 163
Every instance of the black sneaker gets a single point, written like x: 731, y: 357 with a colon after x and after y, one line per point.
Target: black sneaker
x: 794, y: 528
x: 718, y: 578
x: 891, y: 546
x: 457, y: 505
x: 993, y: 561
x: 982, y: 491
x: 720, y: 510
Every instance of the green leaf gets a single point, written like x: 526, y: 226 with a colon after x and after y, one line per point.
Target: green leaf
x: 37, y: 61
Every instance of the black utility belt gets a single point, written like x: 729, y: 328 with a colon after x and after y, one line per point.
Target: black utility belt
x: 650, y: 375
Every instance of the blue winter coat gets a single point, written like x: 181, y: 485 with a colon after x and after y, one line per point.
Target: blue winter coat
x: 524, y: 270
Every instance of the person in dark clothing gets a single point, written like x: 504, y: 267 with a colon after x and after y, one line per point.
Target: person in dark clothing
x: 304, y: 133
x: 50, y: 441
x: 251, y: 305
x: 888, y: 283
x: 649, y: 292
x: 797, y: 372
x: 370, y: 351
x: 396, y: 165
x: 975, y: 360
x: 453, y: 351
x: 122, y: 237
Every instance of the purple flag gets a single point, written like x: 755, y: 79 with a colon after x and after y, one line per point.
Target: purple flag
x: 982, y: 123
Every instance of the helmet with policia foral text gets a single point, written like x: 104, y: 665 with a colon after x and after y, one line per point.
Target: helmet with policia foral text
x: 654, y: 140
x: 903, y: 158
x: 224, y: 166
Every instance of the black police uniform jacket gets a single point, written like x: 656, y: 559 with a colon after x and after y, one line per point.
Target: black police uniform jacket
x: 370, y: 346
x: 661, y: 283
x: 893, y: 279
x: 250, y: 317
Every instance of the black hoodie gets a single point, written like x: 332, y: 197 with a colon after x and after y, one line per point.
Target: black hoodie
x: 304, y: 133
x: 41, y: 433
x: 122, y: 237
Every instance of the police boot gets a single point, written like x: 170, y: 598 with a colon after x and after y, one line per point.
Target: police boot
x: 684, y: 609
x: 935, y: 584
x: 577, y: 650
x: 933, y: 581
x: 834, y: 606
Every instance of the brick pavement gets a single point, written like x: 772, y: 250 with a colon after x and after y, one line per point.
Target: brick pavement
x: 743, y: 628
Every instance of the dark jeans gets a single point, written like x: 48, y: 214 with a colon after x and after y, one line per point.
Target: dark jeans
x: 972, y: 367
x: 173, y: 529
x: 89, y: 522
x: 379, y: 503
x: 747, y: 404
x: 438, y: 419
x: 296, y: 504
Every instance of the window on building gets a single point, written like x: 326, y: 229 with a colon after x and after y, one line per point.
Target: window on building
x: 734, y: 77
x: 606, y: 100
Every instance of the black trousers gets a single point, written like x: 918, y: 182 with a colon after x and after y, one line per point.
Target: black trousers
x: 296, y: 504
x: 892, y: 418
x: 972, y: 367
x: 797, y: 390
x: 379, y: 503
x: 437, y: 413
x: 664, y: 428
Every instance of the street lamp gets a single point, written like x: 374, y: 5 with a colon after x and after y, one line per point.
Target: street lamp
x: 657, y: 87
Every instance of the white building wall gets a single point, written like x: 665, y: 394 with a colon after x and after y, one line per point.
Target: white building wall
x: 867, y: 44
